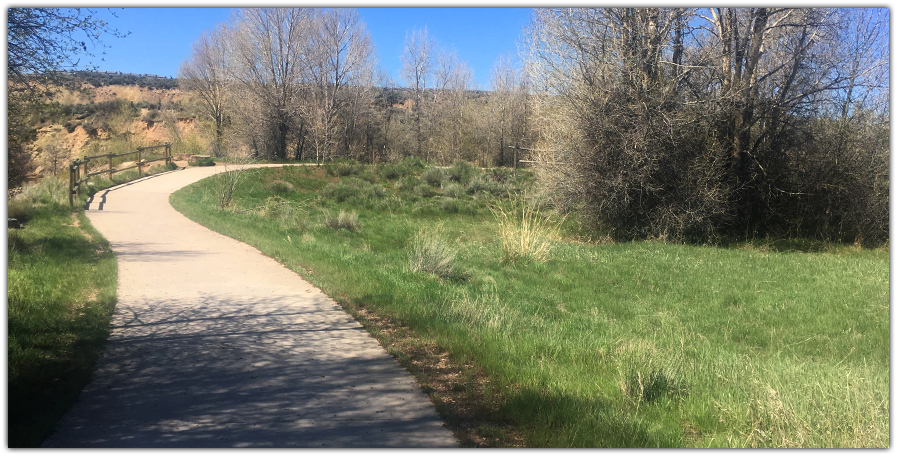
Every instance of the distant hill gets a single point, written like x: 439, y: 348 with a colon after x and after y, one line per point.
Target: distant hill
x: 117, y: 78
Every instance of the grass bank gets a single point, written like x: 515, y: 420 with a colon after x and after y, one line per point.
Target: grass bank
x: 61, y: 278
x: 639, y: 344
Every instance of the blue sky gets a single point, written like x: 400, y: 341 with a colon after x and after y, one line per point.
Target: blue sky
x: 161, y: 38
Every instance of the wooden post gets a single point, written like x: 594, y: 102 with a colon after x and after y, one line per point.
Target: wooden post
x: 140, y: 164
x: 168, y: 154
x: 78, y: 181
x: 71, y: 184
x: 516, y: 158
x: 110, y: 167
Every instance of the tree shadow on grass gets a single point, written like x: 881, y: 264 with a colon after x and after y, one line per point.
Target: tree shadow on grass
x: 54, y: 340
x: 558, y: 420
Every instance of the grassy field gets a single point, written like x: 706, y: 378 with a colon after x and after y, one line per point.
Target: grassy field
x: 61, y: 278
x: 561, y: 342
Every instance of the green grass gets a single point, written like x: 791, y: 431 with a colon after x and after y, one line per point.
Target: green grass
x: 61, y: 294
x: 640, y: 344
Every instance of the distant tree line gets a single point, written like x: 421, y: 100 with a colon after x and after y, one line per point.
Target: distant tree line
x: 106, y: 78
x: 302, y: 83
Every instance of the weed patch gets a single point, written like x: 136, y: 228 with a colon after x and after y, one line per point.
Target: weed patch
x: 343, y: 220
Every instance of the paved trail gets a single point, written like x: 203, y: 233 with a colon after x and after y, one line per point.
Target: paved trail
x: 213, y: 344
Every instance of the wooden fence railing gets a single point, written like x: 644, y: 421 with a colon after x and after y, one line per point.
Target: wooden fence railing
x: 76, y: 177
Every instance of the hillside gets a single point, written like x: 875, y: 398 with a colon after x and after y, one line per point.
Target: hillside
x: 86, y: 119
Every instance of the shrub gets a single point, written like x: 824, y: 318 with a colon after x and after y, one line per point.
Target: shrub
x: 227, y: 181
x: 391, y: 172
x: 433, y: 176
x: 342, y: 168
x: 343, y: 220
x: 462, y: 172
x: 501, y: 175
x: 480, y: 184
x: 277, y: 208
x: 390, y: 203
x: 413, y: 162
x: 203, y: 162
x: 454, y: 190
x: 281, y: 187
x: 151, y: 116
x: 432, y: 253
x: 450, y: 205
x: 49, y: 191
x: 424, y: 190
x: 408, y: 183
x: 352, y: 188
x: 368, y: 176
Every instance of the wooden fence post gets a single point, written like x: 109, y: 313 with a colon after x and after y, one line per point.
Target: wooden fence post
x: 71, y: 184
x: 516, y: 158
x: 140, y: 164
x: 110, y: 167
x: 78, y: 181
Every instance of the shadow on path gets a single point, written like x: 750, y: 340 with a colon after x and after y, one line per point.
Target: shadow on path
x: 215, y: 371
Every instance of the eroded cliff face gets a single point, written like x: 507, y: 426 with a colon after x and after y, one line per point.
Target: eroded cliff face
x: 98, y: 133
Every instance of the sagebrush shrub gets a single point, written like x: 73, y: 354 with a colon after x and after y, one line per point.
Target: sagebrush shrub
x: 461, y: 172
x: 408, y: 183
x: 277, y: 207
x: 433, y: 176
x: 281, y: 187
x: 204, y: 162
x: 480, y: 184
x: 432, y: 253
x: 454, y: 190
x: 424, y: 190
x: 48, y: 191
x: 412, y: 162
x: 342, y: 220
x: 352, y: 188
x: 450, y: 205
x: 391, y: 172
x: 344, y: 168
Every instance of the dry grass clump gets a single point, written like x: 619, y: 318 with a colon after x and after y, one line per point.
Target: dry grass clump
x: 343, y: 220
x: 525, y: 233
x: 432, y: 253
x: 281, y: 187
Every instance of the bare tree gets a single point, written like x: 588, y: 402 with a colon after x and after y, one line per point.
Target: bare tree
x: 447, y: 106
x: 509, y: 106
x: 339, y: 65
x: 416, y: 69
x: 205, y: 73
x: 690, y: 123
x: 270, y: 46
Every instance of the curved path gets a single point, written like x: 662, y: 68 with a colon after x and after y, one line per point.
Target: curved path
x: 213, y: 344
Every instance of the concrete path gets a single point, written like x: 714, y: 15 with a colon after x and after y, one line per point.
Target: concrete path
x: 213, y: 344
